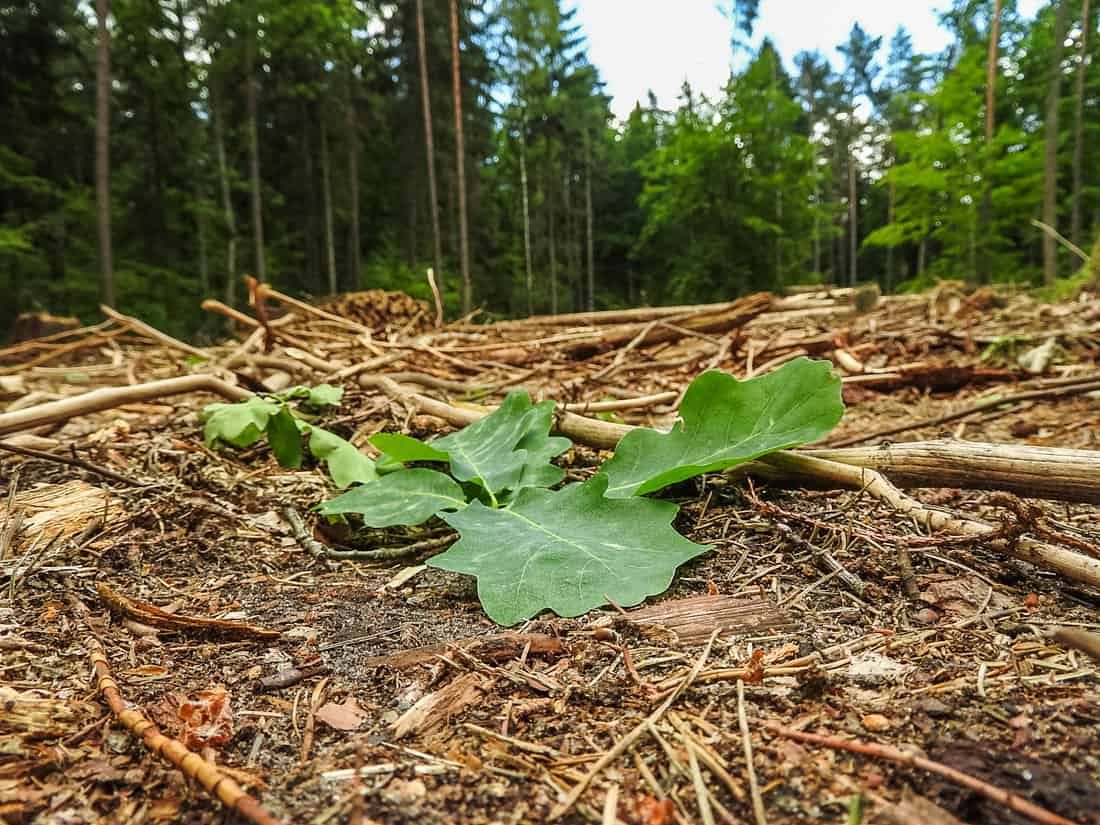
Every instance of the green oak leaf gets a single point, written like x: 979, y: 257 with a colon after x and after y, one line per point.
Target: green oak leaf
x: 345, y: 463
x: 240, y: 424
x: 285, y: 439
x: 727, y: 422
x: 406, y: 448
x: 567, y: 550
x: 407, y: 498
x: 541, y: 448
x: 323, y: 395
x: 507, y: 449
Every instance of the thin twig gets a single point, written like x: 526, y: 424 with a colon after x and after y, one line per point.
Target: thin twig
x: 71, y: 462
x: 211, y: 777
x: 627, y: 741
x: 1007, y: 798
x: 436, y: 298
x: 750, y: 769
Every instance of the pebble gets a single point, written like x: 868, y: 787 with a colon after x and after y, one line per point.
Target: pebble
x: 875, y: 722
x: 934, y: 708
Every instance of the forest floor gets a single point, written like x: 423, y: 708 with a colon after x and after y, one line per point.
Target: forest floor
x: 938, y: 644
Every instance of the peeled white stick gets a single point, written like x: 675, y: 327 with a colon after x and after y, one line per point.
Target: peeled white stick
x: 110, y: 397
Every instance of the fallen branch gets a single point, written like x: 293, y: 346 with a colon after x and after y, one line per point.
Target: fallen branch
x: 69, y: 461
x: 738, y: 314
x: 985, y: 404
x: 152, y: 615
x: 270, y: 329
x: 110, y: 397
x: 53, y: 354
x: 1037, y: 472
x: 193, y: 766
x: 264, y: 290
x: 1069, y: 564
x: 1062, y: 239
x: 142, y: 328
x: 1012, y: 801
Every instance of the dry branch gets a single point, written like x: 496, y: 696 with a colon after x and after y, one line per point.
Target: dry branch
x: 992, y: 402
x: 1069, y: 564
x: 110, y: 397
x: 30, y: 452
x: 1010, y: 800
x: 737, y: 314
x: 152, y: 615
x: 139, y: 326
x: 1038, y: 472
x: 193, y: 766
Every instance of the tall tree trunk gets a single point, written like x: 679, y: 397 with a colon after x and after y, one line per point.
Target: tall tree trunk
x: 204, y: 261
x: 1079, y: 125
x: 591, y: 295
x: 985, y: 216
x: 429, y: 145
x: 102, y: 153
x: 572, y: 240
x: 853, y: 221
x: 314, y: 237
x: 355, y: 260
x: 553, y: 242
x: 227, y: 205
x: 526, y: 216
x: 1050, y: 166
x: 254, y: 152
x: 460, y: 165
x: 890, y: 208
x: 326, y: 194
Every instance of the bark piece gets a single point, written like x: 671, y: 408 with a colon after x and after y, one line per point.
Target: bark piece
x: 436, y: 709
x: 694, y: 619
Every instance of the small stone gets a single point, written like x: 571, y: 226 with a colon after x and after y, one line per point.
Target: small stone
x: 875, y: 722
x: 934, y: 708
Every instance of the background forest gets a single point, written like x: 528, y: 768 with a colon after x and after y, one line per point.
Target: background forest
x: 154, y: 151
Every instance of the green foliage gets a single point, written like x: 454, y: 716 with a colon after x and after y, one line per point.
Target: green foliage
x: 244, y: 423
x: 699, y: 201
x: 567, y: 550
x: 726, y: 422
x: 406, y: 498
x: 507, y: 449
x: 571, y: 549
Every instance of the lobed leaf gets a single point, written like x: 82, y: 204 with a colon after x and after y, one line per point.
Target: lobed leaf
x: 285, y: 439
x: 726, y: 422
x: 346, y: 465
x: 508, y: 449
x: 406, y: 448
x: 240, y: 424
x: 407, y: 498
x: 323, y: 395
x: 568, y: 550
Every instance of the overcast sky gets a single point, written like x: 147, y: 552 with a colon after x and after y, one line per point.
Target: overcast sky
x: 655, y: 44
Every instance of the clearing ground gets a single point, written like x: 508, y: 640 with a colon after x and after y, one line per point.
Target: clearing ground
x: 289, y: 653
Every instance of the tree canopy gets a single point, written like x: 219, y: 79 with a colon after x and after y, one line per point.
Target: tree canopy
x: 288, y: 140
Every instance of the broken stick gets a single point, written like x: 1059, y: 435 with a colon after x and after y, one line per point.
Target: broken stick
x: 110, y: 397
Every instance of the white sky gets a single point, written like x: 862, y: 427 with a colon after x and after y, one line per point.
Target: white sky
x: 655, y: 44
